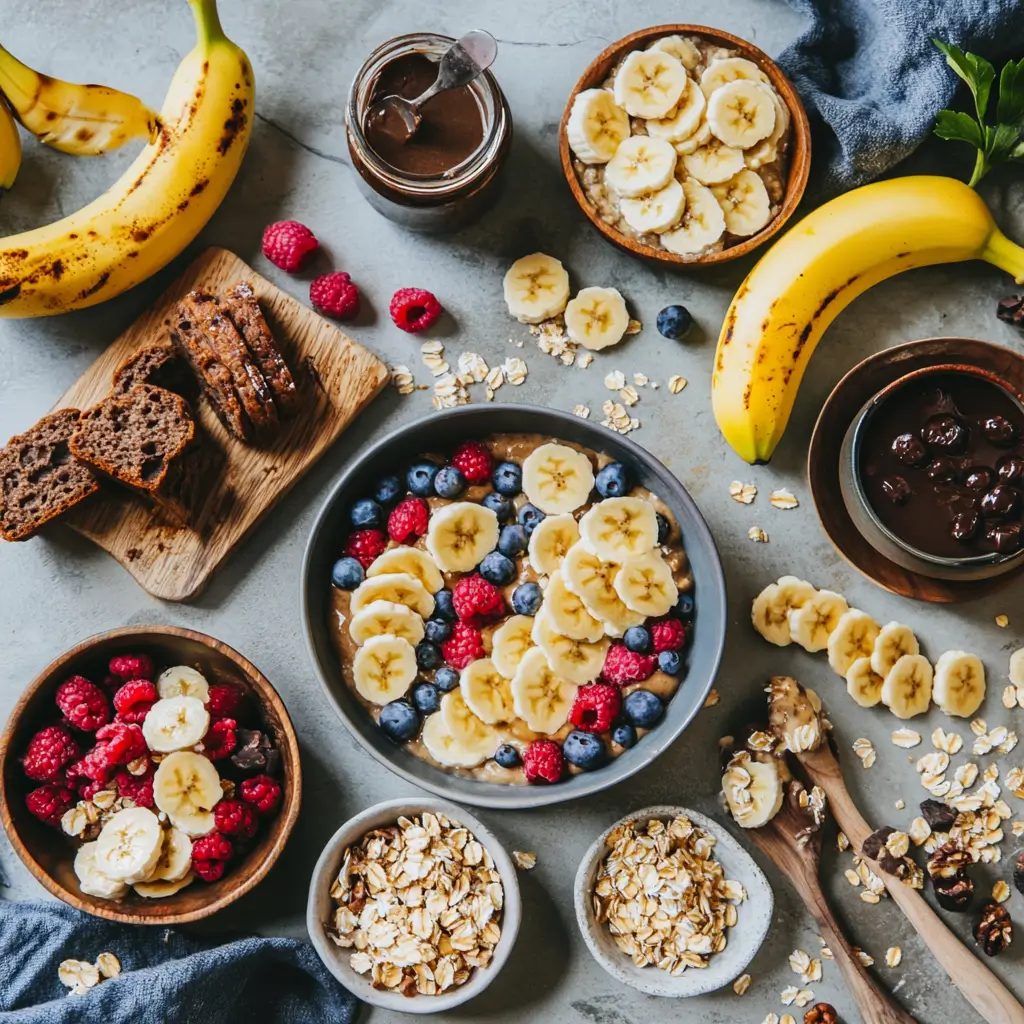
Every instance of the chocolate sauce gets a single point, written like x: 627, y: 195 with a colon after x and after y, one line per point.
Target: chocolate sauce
x: 451, y: 128
x: 942, y: 465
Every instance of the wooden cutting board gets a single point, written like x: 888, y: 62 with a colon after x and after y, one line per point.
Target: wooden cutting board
x: 336, y: 377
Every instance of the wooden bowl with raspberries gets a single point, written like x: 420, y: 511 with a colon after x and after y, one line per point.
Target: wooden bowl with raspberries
x: 149, y: 775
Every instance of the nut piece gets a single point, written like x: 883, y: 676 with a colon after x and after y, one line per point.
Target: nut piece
x: 1018, y: 872
x: 994, y: 932
x: 954, y: 894
x: 939, y: 815
x: 821, y: 1013
x: 876, y: 846
x: 948, y: 861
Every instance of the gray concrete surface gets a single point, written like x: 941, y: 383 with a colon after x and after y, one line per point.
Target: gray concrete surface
x: 58, y: 589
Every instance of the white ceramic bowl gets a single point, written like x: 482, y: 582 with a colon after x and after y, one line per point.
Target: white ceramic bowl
x: 320, y: 906
x: 755, y: 915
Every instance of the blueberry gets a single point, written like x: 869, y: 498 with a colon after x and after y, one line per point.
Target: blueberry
x: 674, y: 322
x: 624, y: 735
x: 664, y: 528
x: 513, y: 540
x: 444, y: 606
x: 585, y: 750
x: 643, y: 708
x: 613, y: 481
x: 366, y: 514
x: 449, y: 482
x: 437, y: 630
x: 446, y: 678
x: 508, y: 756
x: 529, y: 515
x: 426, y: 697
x: 507, y: 479
x: 399, y: 720
x: 347, y: 573
x: 637, y: 639
x: 501, y: 506
x: 684, y: 607
x: 428, y: 655
x: 420, y: 479
x: 497, y: 569
x: 389, y: 490
x: 670, y: 662
x: 526, y: 598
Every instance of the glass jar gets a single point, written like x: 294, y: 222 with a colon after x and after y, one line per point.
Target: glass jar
x: 428, y: 202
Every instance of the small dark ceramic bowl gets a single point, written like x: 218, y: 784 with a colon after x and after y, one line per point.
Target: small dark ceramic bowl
x: 445, y: 430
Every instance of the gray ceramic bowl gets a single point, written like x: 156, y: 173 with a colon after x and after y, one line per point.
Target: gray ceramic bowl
x: 320, y: 906
x: 447, y: 429
x: 754, y: 915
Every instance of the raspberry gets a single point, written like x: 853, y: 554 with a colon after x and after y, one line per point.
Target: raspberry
x: 132, y: 666
x: 90, y: 789
x: 543, y: 761
x: 83, y: 703
x: 208, y: 870
x: 476, y: 601
x: 408, y: 520
x: 234, y: 818
x: 473, y: 460
x: 220, y: 739
x: 213, y: 846
x: 595, y: 708
x: 335, y: 295
x: 289, y: 245
x: 137, y: 788
x: 463, y: 646
x: 413, y: 309
x: 668, y: 635
x: 48, y: 752
x: 261, y: 792
x: 133, y: 700
x: 365, y: 545
x: 48, y: 803
x: 119, y: 743
x: 623, y: 666
x: 226, y: 702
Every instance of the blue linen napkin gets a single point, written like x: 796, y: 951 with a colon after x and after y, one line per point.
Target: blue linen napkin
x: 873, y: 81
x: 168, y: 977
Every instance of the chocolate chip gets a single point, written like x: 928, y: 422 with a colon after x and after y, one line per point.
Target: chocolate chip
x: 1000, y: 431
x: 941, y: 470
x: 940, y: 816
x: 256, y: 753
x: 965, y: 525
x: 945, y: 434
x: 1011, y: 469
x: 896, y: 489
x: 909, y: 449
x: 1000, y: 503
x: 875, y: 843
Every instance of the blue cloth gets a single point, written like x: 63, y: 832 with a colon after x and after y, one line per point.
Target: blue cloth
x: 873, y: 81
x: 168, y: 977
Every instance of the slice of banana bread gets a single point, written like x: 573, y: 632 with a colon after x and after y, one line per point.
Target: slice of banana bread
x: 155, y: 364
x: 39, y: 478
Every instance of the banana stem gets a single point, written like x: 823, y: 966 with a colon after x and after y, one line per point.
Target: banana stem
x: 208, y: 27
x: 1007, y: 255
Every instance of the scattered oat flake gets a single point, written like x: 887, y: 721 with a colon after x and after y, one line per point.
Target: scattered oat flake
x: 870, y: 897
x: 1017, y: 828
x: 756, y: 534
x: 1000, y: 891
x: 842, y: 843
x: 515, y: 370
x: 402, y: 379
x: 581, y: 410
x: 640, y: 379
x: 741, y: 984
x: 472, y: 368
x: 449, y: 392
x: 1002, y: 621
x: 788, y: 994
x: 803, y: 997
x: 712, y: 699
x: 495, y: 378
x: 783, y: 498
x: 615, y: 380
x: 773, y: 1018
x: 893, y: 956
x: 629, y: 395
x: 799, y: 961
x: 866, y: 959
x: 525, y: 860
x: 584, y: 360
x: 78, y: 974
x: 826, y: 953
x: 852, y: 877
x: 741, y: 492
x: 919, y: 831
x: 1009, y: 696
x: 108, y: 965
x: 634, y: 326
x: 677, y: 383
x: 906, y: 738
x: 900, y: 804
x: 864, y: 749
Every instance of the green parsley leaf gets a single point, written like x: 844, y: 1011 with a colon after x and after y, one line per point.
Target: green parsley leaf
x: 960, y: 127
x: 1010, y: 109
x: 977, y: 72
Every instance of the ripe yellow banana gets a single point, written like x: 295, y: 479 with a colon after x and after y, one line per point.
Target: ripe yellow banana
x: 159, y: 204
x: 809, y: 276
x: 10, y: 147
x: 83, y: 120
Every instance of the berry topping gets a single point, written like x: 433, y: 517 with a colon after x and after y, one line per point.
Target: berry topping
x: 526, y: 598
x: 420, y: 479
x: 48, y: 803
x: 684, y: 607
x: 623, y: 666
x: 513, y: 540
x: 529, y: 516
x: 48, y: 752
x: 213, y: 846
x: 674, y: 322
x: 624, y: 735
x: 449, y: 482
x: 234, y: 818
x: 132, y: 666
x: 289, y: 245
x: 408, y: 520
x: 497, y: 568
x: 120, y: 742
x: 414, y: 309
x: 225, y: 701
x: 137, y: 788
x: 347, y: 573
x: 507, y: 479
x: 428, y: 655
x: 643, y: 708
x: 389, y: 490
x: 444, y: 605
x: 501, y: 506
x: 596, y: 706
x: 209, y: 870
x: 437, y: 630
x: 668, y: 635
x: 262, y: 792
x: 543, y: 761
x: 584, y: 750
x: 335, y: 295
x: 133, y: 700
x: 477, y: 602
x: 220, y: 739
x: 670, y: 662
x: 365, y: 546
x: 473, y: 460
x: 613, y: 481
x: 426, y: 697
x: 446, y: 678
x: 638, y: 640
x: 463, y: 646
x: 83, y: 703
x: 507, y: 756
x: 399, y: 721
x: 366, y: 513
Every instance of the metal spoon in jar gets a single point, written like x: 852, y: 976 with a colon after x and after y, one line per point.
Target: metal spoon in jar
x: 462, y: 62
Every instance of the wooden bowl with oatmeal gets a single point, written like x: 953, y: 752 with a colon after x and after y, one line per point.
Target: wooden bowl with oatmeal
x: 685, y: 145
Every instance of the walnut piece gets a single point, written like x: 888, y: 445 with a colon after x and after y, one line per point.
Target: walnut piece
x: 994, y: 932
x: 821, y: 1013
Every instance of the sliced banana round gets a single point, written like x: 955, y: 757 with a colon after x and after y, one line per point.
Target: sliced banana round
x: 619, y: 528
x: 92, y: 880
x: 741, y: 114
x: 730, y: 69
x: 567, y: 613
x: 541, y: 697
x: 380, y: 617
x: 657, y: 211
x: 596, y: 318
x: 893, y: 641
x: 702, y: 223
x: 767, y: 149
x: 444, y: 748
x: 645, y: 584
x: 713, y: 163
x: 557, y: 478
x: 413, y: 561
x: 701, y: 137
x: 129, y: 844
x: 174, y: 723
x: 853, y: 638
x: 399, y: 587
x: 537, y: 286
x: 770, y: 610
x: 649, y: 83
x: 384, y: 668
x: 812, y: 623
x: 683, y: 119
x: 186, y: 787
x: 596, y: 126
x: 907, y: 690
x: 486, y: 692
x: 550, y: 542
x: 459, y: 535
x: 643, y: 163
x: 469, y: 731
x: 183, y: 681
x: 863, y: 683
x: 161, y: 890
x: 576, y: 660
x: 593, y: 581
x: 511, y: 640
x: 753, y: 792
x: 959, y: 683
x: 175, y: 857
x: 681, y: 48
x: 745, y: 203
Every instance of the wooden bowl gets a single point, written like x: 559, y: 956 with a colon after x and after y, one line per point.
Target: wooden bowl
x: 49, y: 855
x: 861, y: 384
x: 799, y: 151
